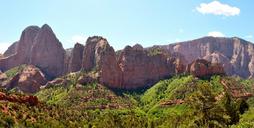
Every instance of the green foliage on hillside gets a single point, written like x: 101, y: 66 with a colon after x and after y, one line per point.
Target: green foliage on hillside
x: 84, y: 97
x: 166, y: 89
x: 182, y: 101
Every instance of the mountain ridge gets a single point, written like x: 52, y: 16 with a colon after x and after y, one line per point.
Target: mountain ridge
x: 132, y: 67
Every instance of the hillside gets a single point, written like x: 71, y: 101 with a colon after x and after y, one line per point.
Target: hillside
x: 182, y: 101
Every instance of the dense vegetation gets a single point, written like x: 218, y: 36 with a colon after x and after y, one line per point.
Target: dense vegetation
x: 182, y: 101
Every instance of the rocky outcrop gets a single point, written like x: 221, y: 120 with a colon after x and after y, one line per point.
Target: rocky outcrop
x: 47, y: 53
x: 134, y: 68
x: 75, y: 62
x: 99, y: 56
x: 37, y: 46
x: 235, y: 55
x: 22, y: 47
x: 28, y: 80
x: 109, y: 71
x: 204, y: 69
x: 223, y: 60
x: 140, y: 68
x: 26, y: 42
x: 89, y: 59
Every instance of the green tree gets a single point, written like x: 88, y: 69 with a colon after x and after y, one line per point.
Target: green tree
x: 231, y: 109
x: 206, y: 110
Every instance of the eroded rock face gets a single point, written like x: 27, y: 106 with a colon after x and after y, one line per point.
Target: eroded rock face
x: 75, y: 62
x: 203, y: 68
x: 99, y: 56
x: 88, y: 61
x: 236, y: 55
x: 108, y: 68
x: 26, y: 43
x: 29, y: 80
x: 19, y: 52
x: 47, y: 52
x: 37, y: 46
x: 217, y: 57
x: 134, y: 68
x: 140, y: 69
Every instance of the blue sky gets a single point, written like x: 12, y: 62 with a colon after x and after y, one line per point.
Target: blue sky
x: 128, y: 22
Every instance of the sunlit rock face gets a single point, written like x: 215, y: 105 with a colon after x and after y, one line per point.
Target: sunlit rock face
x: 37, y: 46
x: 99, y: 56
x: 235, y: 55
x: 47, y: 52
x: 140, y: 69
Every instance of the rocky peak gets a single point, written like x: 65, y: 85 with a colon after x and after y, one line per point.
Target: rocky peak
x: 46, y: 36
x: 107, y: 66
x: 46, y: 27
x: 89, y: 57
x: 48, y: 53
x: 26, y: 42
x: 94, y: 39
x: 37, y: 46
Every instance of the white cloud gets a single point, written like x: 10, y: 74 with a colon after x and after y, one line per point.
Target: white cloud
x: 4, y: 46
x: 216, y: 34
x: 218, y: 8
